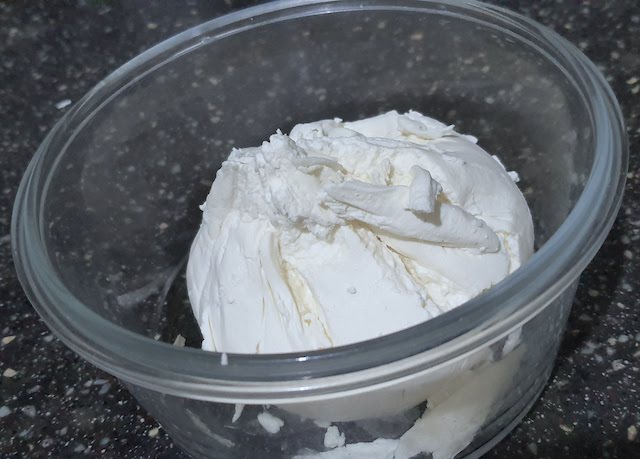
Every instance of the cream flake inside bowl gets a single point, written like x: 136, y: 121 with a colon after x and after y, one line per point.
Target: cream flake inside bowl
x: 106, y: 216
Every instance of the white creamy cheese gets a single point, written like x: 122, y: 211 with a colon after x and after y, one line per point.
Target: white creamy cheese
x: 270, y: 423
x: 346, y: 231
x: 458, y: 406
x: 333, y: 438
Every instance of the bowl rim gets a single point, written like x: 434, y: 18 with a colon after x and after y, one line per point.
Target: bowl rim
x: 194, y: 373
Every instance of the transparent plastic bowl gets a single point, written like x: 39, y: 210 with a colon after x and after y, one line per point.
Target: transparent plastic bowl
x: 108, y: 208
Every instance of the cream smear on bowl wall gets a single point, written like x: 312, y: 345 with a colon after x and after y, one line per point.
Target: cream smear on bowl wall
x: 346, y: 231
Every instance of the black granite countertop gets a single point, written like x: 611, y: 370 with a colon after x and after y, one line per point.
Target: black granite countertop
x: 53, y: 404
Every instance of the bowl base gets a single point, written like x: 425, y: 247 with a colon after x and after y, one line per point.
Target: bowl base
x: 192, y: 449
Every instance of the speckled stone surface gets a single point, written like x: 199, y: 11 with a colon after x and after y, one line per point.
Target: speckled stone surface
x: 53, y: 404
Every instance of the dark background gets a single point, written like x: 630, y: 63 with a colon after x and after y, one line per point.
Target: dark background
x: 53, y: 404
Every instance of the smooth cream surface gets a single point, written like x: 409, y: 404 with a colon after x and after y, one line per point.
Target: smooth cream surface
x: 346, y: 231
